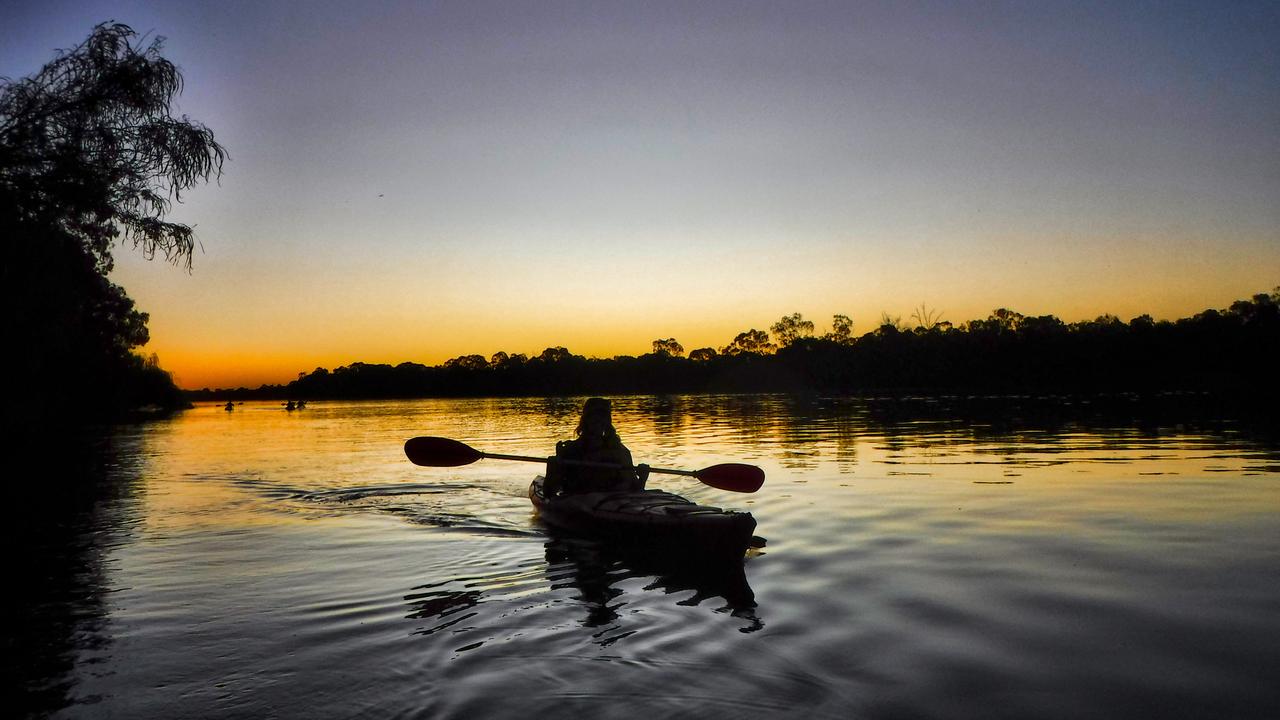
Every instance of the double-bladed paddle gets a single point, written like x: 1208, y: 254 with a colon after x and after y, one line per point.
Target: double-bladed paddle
x: 444, y: 452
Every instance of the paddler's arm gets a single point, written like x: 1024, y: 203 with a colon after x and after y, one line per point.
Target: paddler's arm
x: 634, y: 476
x: 555, y: 477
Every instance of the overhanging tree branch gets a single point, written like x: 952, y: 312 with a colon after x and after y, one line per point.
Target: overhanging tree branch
x: 89, y: 145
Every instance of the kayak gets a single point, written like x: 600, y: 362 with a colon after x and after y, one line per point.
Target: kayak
x: 657, y: 521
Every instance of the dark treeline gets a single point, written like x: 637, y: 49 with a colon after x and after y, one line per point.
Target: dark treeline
x: 1227, y: 352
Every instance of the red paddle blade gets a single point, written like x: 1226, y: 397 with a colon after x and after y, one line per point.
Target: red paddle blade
x: 735, y: 477
x: 440, y: 452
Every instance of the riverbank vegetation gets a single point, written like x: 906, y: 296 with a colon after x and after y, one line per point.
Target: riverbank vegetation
x: 1227, y: 352
x: 91, y: 157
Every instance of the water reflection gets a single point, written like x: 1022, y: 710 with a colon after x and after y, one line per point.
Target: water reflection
x: 81, y: 502
x: 806, y: 434
x: 920, y: 564
x: 597, y: 573
x: 439, y: 604
x: 599, y: 578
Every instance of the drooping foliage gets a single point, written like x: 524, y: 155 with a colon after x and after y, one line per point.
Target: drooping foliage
x: 91, y: 156
x: 89, y: 144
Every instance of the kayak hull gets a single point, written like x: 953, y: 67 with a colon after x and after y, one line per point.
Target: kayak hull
x: 654, y: 521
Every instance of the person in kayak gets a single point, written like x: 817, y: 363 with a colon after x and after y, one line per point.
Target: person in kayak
x: 596, y: 440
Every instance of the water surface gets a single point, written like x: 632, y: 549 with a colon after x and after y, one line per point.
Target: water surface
x: 262, y: 563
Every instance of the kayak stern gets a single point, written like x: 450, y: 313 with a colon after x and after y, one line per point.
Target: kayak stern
x: 652, y: 521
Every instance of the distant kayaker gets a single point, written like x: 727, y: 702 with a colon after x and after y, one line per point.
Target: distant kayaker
x: 230, y: 406
x: 596, y: 441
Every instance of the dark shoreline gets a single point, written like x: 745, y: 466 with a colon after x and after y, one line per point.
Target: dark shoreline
x: 1222, y: 354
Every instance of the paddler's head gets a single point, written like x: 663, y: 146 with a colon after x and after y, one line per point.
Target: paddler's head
x: 597, y: 420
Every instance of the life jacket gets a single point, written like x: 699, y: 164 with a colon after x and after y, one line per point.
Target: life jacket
x: 579, y: 479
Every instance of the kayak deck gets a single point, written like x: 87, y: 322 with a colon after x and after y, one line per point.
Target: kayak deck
x: 653, y: 519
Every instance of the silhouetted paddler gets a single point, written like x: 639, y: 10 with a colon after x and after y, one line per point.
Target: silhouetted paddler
x: 596, y: 441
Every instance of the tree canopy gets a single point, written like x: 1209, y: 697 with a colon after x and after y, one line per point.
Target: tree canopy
x: 668, y: 346
x: 791, y: 328
x: 90, y: 144
x: 91, y: 156
x: 751, y: 342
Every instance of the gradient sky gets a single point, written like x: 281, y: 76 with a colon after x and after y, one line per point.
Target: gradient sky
x: 416, y: 181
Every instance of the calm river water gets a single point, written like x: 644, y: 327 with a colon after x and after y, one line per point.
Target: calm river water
x: 259, y: 563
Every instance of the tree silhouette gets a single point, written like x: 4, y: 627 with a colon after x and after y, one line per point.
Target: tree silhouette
x: 468, y: 362
x: 1005, y: 353
x: 89, y: 144
x: 90, y: 155
x: 841, y: 330
x: 790, y: 328
x: 556, y: 354
x: 751, y: 342
x: 890, y: 323
x: 668, y: 346
x: 928, y: 319
x: 703, y: 354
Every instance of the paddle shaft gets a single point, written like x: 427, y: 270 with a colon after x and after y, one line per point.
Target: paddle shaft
x: 444, y: 452
x: 584, y: 463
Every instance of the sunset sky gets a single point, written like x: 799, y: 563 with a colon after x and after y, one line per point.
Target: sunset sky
x: 416, y: 181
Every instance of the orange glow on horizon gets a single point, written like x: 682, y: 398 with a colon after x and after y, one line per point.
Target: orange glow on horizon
x: 242, y: 365
x: 234, y: 323
x: 489, y: 181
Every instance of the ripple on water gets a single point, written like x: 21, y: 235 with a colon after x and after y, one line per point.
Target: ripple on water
x: 272, y: 565
x: 459, y: 507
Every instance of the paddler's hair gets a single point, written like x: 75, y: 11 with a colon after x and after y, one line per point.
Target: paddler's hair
x: 596, y: 405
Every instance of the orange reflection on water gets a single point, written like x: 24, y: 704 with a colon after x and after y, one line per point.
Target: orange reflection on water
x: 260, y: 464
